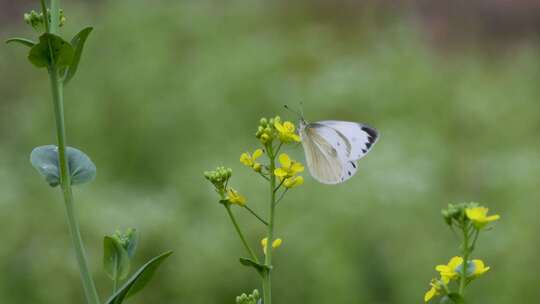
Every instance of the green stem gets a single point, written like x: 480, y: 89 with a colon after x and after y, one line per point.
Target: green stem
x: 463, y: 277
x: 267, y: 280
x: 44, y: 12
x: 240, y: 234
x: 256, y: 215
x: 57, y: 94
x: 55, y: 16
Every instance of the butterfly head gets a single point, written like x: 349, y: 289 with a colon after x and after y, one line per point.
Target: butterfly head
x: 302, y: 123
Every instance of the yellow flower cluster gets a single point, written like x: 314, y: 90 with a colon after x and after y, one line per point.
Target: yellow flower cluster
x: 479, y: 217
x: 272, y: 128
x: 286, y: 131
x: 452, y: 271
x: 288, y: 170
x: 275, y: 244
x: 250, y: 160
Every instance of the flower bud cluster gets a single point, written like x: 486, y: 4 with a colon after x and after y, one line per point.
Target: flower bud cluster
x: 253, y: 298
x: 36, y: 20
x: 219, y: 177
x: 266, y: 131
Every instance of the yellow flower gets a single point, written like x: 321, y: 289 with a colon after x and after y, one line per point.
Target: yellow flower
x: 275, y: 244
x: 292, y: 182
x: 236, y: 198
x: 434, y: 291
x: 250, y: 160
x: 479, y: 268
x: 479, y: 217
x: 449, y: 272
x: 286, y: 131
x: 289, y: 167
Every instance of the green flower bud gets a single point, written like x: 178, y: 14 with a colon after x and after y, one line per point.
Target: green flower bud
x: 263, y: 122
x: 128, y: 240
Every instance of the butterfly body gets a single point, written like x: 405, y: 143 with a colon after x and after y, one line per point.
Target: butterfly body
x: 333, y: 148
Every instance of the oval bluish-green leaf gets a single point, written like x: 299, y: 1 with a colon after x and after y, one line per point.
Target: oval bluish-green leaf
x: 51, y: 49
x: 45, y: 160
x: 138, y: 280
x: 115, y: 259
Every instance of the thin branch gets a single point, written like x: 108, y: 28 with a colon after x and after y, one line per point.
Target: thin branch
x: 256, y: 215
x: 281, y: 196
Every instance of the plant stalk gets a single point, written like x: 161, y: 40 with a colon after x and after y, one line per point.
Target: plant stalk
x: 241, y: 235
x: 267, y: 279
x: 57, y: 95
x: 463, y: 278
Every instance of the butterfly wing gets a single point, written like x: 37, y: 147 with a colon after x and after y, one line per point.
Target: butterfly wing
x: 360, y: 137
x: 327, y: 153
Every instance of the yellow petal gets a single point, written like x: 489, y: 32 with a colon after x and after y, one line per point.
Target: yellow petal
x: 285, y: 160
x: 297, y: 167
x: 245, y: 159
x: 257, y: 154
x: 279, y: 172
x: 276, y: 243
x: 293, y: 182
x: 479, y: 267
x: 455, y: 262
x: 493, y: 218
x: 235, y: 197
x: 288, y: 126
x: 430, y: 294
x: 279, y: 127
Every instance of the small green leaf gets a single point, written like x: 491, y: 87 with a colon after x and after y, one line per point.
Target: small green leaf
x: 138, y: 280
x: 115, y: 259
x: 51, y: 48
x: 45, y: 160
x: 261, y: 269
x: 23, y: 41
x: 78, y: 44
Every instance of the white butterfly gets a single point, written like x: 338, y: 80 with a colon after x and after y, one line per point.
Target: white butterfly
x: 333, y: 148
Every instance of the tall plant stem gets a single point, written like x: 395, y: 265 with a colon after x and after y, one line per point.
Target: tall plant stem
x: 466, y: 253
x: 65, y: 182
x: 80, y: 254
x: 267, y: 279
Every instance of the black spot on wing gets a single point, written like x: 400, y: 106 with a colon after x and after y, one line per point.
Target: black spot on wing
x: 349, y: 172
x: 364, y: 151
x: 368, y: 144
x: 372, y: 134
x: 353, y: 164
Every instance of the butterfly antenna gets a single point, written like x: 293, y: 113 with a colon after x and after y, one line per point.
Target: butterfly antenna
x: 293, y: 111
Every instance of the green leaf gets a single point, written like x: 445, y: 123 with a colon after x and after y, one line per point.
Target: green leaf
x: 51, y: 48
x: 23, y: 41
x: 115, y: 259
x: 138, y: 280
x: 261, y: 269
x: 78, y: 44
x: 45, y: 160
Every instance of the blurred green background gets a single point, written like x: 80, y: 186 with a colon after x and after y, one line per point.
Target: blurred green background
x: 168, y: 89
